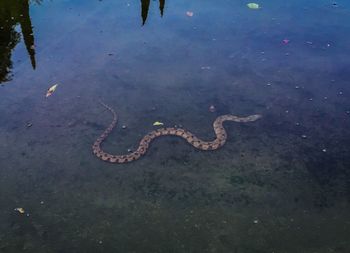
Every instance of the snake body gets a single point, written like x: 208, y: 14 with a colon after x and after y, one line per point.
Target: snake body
x: 219, y: 130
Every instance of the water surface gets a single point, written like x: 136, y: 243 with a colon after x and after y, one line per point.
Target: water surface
x: 280, y: 184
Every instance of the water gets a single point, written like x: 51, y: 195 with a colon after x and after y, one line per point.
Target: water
x: 280, y: 184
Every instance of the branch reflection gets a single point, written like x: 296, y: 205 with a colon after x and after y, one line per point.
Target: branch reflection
x: 145, y: 7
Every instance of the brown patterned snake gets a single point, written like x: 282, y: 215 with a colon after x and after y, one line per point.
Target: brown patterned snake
x: 219, y: 130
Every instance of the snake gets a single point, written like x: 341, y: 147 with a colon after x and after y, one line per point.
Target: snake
x: 219, y: 141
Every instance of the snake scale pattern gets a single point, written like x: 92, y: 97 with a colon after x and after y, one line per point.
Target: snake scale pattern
x: 219, y: 130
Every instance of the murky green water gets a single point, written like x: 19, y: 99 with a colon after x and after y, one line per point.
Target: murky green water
x: 280, y: 184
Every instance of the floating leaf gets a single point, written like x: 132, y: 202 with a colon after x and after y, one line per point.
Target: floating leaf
x: 253, y: 6
x: 20, y: 210
x: 51, y: 90
x: 158, y: 123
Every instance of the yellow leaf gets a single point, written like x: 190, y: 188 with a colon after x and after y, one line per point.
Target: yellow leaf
x: 158, y: 123
x: 253, y: 6
x: 51, y: 90
x: 20, y: 210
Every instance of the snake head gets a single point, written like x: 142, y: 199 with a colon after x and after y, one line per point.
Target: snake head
x: 254, y: 117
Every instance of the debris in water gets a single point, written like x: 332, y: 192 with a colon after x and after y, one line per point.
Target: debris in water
x: 51, y: 90
x: 253, y: 6
x: 158, y: 123
x: 20, y: 210
x: 212, y: 108
x: 189, y: 13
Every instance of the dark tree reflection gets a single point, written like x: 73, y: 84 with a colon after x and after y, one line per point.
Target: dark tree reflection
x: 13, y: 13
x: 145, y: 6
